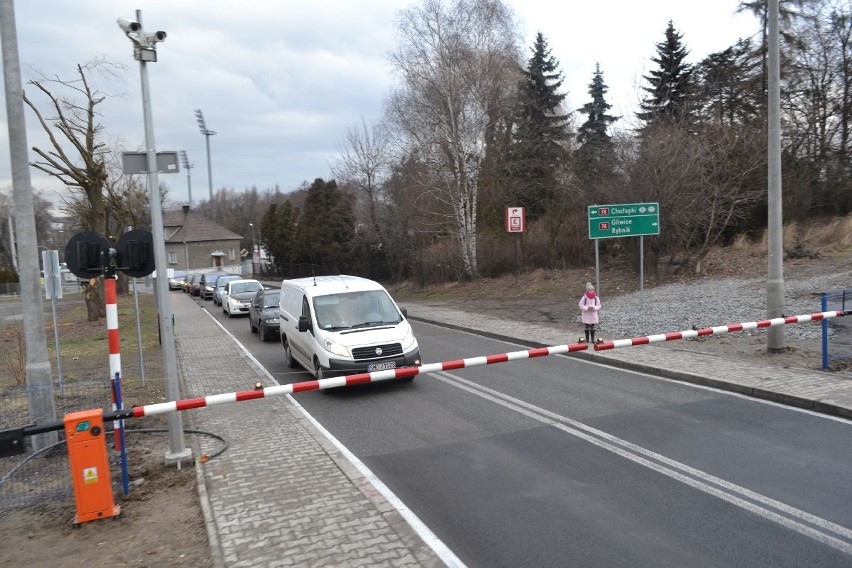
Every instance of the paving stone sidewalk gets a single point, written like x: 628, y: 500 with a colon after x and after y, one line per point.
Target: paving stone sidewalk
x: 282, y: 494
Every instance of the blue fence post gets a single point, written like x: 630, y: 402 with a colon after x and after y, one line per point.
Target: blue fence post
x: 824, y: 306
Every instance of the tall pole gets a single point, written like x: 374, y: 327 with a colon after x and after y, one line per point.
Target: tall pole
x: 252, y: 248
x: 202, y: 126
x: 775, y: 227
x: 187, y: 166
x: 37, y: 370
x: 177, y: 449
x: 207, y: 136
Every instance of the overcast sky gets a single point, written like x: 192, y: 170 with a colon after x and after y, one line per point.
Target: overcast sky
x: 281, y: 81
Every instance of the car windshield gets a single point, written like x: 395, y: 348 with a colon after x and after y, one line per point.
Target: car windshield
x: 270, y: 299
x: 355, y: 310
x: 242, y: 287
x: 220, y: 283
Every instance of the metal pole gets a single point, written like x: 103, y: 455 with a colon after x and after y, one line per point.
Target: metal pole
x: 177, y: 448
x: 189, y: 183
x: 597, y: 267
x: 775, y: 228
x: 209, y: 166
x: 641, y: 271
x: 138, y: 332
x: 37, y: 370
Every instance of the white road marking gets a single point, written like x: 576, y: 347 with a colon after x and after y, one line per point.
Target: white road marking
x: 819, y: 529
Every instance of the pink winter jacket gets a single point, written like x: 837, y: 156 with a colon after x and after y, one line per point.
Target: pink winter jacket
x: 589, y: 309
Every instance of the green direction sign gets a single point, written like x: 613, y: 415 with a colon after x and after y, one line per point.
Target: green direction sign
x: 627, y: 220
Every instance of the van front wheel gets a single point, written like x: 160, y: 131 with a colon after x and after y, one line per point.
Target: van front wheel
x: 288, y: 355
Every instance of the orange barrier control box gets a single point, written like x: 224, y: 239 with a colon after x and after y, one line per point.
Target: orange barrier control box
x: 87, y: 456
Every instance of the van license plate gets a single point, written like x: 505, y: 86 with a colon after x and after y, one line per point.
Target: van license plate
x: 381, y: 366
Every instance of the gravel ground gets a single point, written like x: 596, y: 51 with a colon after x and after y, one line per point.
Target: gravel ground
x: 680, y: 306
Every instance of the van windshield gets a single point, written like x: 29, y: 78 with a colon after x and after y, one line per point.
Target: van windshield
x: 355, y: 310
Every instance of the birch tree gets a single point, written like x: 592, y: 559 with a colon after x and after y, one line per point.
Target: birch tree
x: 458, y: 62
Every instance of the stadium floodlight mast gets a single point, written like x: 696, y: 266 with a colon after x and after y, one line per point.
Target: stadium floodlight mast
x: 187, y: 166
x: 144, y: 51
x: 199, y: 117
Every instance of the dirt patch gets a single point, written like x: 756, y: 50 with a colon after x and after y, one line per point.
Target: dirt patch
x: 161, y: 522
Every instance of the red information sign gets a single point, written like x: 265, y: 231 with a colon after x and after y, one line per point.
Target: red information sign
x: 515, y: 220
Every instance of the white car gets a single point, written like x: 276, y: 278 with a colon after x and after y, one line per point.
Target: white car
x: 237, y: 296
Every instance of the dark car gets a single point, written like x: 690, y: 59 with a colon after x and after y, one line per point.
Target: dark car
x: 184, y: 285
x: 208, y: 284
x: 263, y: 313
x: 195, y: 285
x: 220, y: 285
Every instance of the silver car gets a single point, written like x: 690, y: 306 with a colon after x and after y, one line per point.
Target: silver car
x: 237, y: 296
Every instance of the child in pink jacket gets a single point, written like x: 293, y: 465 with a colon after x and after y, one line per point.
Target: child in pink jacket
x: 590, y: 304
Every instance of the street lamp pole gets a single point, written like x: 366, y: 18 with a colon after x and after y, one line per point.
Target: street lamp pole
x: 144, y: 51
x: 252, y: 248
x: 199, y: 117
x: 187, y: 166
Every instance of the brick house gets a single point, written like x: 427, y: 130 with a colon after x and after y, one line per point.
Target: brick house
x: 196, y: 243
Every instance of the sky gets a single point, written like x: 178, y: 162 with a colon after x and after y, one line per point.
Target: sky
x: 281, y: 81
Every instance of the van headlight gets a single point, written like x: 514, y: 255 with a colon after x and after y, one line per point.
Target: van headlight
x: 336, y: 348
x: 408, y: 342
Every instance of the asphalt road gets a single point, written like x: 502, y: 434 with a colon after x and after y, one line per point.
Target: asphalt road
x: 558, y: 462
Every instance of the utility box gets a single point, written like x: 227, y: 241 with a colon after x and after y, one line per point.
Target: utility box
x: 87, y: 457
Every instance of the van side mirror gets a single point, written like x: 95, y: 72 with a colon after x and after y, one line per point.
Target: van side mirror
x: 404, y: 312
x: 304, y: 323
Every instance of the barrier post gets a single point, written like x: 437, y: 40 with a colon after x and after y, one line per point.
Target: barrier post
x: 87, y: 459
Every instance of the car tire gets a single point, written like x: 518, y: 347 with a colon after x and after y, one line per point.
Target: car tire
x: 321, y: 374
x: 289, y: 360
x: 251, y: 326
x: 262, y: 331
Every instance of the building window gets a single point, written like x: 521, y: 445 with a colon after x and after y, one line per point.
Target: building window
x: 172, y: 258
x: 231, y: 254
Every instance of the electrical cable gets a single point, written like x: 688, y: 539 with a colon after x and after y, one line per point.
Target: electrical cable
x: 37, y: 453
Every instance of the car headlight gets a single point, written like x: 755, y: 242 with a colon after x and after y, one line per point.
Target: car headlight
x: 272, y: 320
x: 336, y: 348
x: 408, y: 342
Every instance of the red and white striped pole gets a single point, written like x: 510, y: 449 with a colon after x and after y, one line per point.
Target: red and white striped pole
x: 114, y: 349
x: 405, y: 372
x: 359, y: 379
x: 718, y: 330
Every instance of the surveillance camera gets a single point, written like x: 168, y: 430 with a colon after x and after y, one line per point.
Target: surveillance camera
x: 154, y: 37
x: 129, y: 26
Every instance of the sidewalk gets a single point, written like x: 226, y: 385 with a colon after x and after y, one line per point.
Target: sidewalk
x: 284, y: 495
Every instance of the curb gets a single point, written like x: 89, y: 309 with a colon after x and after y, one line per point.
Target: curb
x: 758, y: 393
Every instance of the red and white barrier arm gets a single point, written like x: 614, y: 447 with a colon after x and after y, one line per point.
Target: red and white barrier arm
x: 361, y: 378
x: 719, y: 330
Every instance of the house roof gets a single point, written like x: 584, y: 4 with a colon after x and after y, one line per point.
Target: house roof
x: 185, y: 225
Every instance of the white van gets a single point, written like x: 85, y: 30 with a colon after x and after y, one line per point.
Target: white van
x: 341, y: 325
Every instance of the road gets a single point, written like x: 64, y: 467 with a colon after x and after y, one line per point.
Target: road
x: 557, y: 462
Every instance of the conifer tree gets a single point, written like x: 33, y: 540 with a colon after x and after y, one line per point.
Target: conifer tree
x: 541, y: 130
x: 669, y: 84
x: 596, y: 148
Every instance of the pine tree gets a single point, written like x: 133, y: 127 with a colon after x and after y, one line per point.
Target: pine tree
x: 326, y: 226
x: 596, y: 148
x: 727, y: 85
x: 540, y: 131
x: 669, y: 84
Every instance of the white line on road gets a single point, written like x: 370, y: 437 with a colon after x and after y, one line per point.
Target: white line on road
x: 826, y: 532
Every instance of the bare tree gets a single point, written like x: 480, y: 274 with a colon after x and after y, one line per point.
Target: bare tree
x: 76, y: 155
x: 455, y: 58
x: 705, y: 184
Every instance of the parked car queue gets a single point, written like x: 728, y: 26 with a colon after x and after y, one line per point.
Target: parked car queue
x: 244, y: 296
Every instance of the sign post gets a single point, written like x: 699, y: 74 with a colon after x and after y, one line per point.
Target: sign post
x: 516, y: 223
x: 624, y: 220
